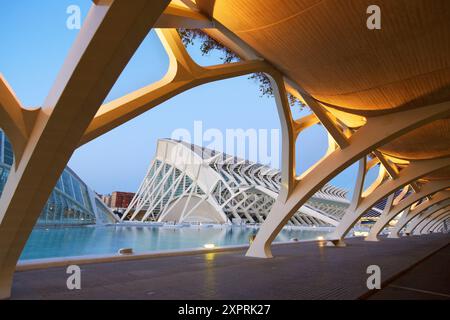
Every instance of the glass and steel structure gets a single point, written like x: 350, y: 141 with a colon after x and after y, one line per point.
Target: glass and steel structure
x: 71, y: 202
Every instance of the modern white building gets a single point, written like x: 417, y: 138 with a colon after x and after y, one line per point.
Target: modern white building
x: 188, y: 183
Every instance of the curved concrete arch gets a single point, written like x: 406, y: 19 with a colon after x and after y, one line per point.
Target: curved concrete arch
x: 382, y: 174
x: 433, y: 224
x: 418, y: 222
x: 71, y: 117
x: 403, y: 217
x: 183, y: 74
x: 395, y: 210
x: 421, y: 223
x: 440, y: 226
x: 367, y: 138
x: 304, y: 209
x: 16, y: 121
x: 436, y: 226
x: 437, y: 198
x: 410, y: 174
x: 372, y: 236
x: 93, y: 64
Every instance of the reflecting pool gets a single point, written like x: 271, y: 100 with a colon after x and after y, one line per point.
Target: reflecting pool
x: 92, y: 240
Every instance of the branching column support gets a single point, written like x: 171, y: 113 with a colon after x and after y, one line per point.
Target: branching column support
x: 436, y: 199
x: 413, y: 172
x: 16, y: 121
x: 396, y: 235
x: 375, y: 133
x: 439, y: 224
x: 421, y: 223
x: 290, y: 130
x: 372, y: 236
x: 434, y: 225
x: 427, y: 190
x: 111, y: 33
x: 382, y: 175
x: 357, y: 195
x: 183, y: 74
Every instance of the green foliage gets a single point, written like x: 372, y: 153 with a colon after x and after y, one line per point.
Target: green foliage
x: 208, y: 44
x: 265, y: 88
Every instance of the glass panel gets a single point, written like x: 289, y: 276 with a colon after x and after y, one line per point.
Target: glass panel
x: 1, y: 146
x: 103, y: 214
x: 3, y: 177
x: 59, y: 184
x: 77, y: 191
x: 67, y: 184
x: 8, y: 153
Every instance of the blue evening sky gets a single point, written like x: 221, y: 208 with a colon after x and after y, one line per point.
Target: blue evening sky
x: 34, y: 43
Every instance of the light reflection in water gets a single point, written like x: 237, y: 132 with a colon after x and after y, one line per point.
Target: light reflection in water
x: 94, y: 240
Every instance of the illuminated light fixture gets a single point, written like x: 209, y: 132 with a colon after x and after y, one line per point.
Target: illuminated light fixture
x: 360, y: 233
x: 320, y: 238
x: 209, y: 246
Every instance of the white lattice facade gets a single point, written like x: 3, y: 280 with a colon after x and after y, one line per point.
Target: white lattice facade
x: 187, y: 183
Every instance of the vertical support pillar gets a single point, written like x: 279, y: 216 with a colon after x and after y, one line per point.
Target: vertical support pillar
x: 373, y: 234
x: 338, y: 235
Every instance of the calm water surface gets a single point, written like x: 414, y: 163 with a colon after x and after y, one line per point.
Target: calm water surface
x: 90, y: 240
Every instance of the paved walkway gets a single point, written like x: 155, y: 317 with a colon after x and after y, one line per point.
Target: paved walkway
x: 429, y: 280
x: 298, y: 271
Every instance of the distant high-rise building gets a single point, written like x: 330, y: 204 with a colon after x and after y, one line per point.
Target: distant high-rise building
x: 106, y: 198
x: 121, y: 200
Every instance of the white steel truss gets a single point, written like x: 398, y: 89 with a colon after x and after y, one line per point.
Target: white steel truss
x: 187, y: 183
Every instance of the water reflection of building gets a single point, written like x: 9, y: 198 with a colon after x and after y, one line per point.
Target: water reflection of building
x: 71, y: 201
x: 188, y: 183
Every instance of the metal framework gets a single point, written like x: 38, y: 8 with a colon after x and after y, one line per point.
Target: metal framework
x: 71, y: 202
x: 44, y: 139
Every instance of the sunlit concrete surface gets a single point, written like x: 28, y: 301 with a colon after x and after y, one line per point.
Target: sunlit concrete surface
x: 298, y: 271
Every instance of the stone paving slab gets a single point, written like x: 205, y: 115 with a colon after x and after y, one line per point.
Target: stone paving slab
x: 298, y: 271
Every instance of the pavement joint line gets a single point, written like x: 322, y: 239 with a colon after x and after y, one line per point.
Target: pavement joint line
x: 419, y: 290
x: 387, y: 282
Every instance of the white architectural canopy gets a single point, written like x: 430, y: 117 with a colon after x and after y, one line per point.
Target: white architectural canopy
x: 383, y: 96
x: 188, y: 183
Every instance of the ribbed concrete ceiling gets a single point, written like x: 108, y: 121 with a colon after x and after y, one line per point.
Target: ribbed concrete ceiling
x: 325, y: 46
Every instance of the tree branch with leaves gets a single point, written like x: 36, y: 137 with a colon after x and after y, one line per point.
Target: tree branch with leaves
x: 208, y: 44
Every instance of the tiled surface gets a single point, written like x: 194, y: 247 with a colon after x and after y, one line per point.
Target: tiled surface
x: 298, y: 271
x: 428, y: 280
